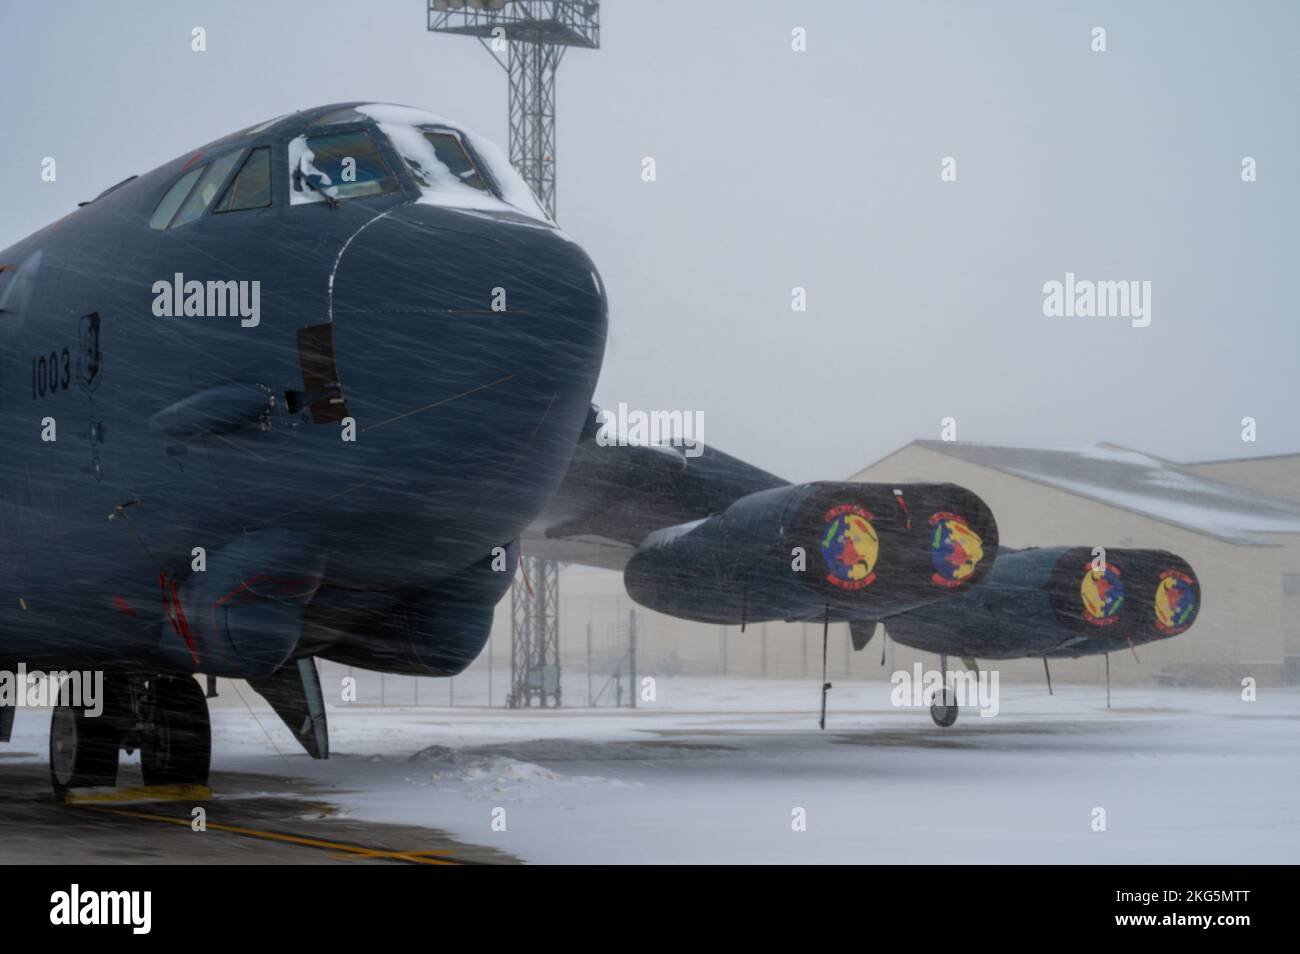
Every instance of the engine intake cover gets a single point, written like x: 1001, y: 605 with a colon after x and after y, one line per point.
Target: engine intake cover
x: 1060, y: 601
x: 850, y: 550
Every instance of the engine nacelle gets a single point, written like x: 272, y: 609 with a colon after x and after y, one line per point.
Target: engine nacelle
x: 847, y: 550
x: 1060, y: 601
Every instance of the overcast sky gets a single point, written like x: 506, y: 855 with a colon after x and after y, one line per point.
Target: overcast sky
x: 818, y: 169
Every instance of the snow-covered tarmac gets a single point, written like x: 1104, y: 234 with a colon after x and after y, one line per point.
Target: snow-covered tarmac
x: 716, y: 771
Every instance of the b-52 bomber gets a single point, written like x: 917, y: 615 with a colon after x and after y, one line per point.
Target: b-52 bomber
x: 302, y: 392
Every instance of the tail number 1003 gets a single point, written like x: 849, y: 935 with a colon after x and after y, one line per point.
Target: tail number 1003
x: 51, y: 373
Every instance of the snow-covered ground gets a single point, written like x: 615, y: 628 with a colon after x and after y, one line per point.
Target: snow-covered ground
x: 717, y: 771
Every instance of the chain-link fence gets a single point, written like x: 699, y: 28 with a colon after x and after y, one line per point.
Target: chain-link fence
x: 599, y: 666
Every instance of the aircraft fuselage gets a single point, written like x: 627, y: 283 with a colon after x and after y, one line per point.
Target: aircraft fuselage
x: 398, y: 394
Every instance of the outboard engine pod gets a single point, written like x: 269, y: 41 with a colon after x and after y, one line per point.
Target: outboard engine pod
x: 1060, y: 601
x: 1136, y: 595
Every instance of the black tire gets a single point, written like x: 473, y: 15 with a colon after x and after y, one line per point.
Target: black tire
x: 83, y: 749
x: 177, y: 748
x: 944, y: 708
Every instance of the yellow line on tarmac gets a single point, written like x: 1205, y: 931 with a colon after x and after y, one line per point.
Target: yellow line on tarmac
x: 139, y: 793
x: 347, y: 850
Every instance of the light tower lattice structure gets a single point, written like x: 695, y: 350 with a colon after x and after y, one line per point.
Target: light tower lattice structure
x: 529, y: 38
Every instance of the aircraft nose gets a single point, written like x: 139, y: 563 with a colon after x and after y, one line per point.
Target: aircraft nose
x: 467, y: 346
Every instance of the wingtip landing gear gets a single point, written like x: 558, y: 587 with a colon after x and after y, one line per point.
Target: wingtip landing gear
x: 943, y: 710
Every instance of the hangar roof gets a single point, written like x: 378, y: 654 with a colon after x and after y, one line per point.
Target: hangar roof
x: 1130, y: 480
x: 1242, y: 460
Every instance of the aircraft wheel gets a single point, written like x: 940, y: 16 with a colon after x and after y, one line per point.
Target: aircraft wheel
x: 83, y: 749
x: 177, y: 748
x: 944, y: 708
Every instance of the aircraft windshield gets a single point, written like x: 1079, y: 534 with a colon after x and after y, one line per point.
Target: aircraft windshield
x: 331, y: 166
x: 453, y: 166
x: 444, y: 163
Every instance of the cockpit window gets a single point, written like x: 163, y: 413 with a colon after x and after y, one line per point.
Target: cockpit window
x: 173, y: 199
x: 251, y: 187
x: 506, y: 189
x: 344, y: 114
x: 205, y: 190
x: 335, y: 166
x: 449, y: 159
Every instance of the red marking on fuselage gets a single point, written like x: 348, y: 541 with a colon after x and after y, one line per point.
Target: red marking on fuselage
x: 907, y: 514
x: 291, y: 587
x: 176, y: 614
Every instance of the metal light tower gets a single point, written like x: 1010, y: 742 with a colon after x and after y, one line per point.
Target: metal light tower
x: 529, y: 38
x: 535, y: 632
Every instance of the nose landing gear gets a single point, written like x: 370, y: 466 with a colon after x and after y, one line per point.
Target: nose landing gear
x: 176, y: 745
x: 83, y: 749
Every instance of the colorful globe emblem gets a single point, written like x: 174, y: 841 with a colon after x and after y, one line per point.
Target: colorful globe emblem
x: 1103, y: 595
x: 849, y: 546
x: 955, y: 549
x: 1175, y: 602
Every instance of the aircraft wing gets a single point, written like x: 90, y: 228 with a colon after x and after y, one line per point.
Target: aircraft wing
x: 614, y: 496
x: 705, y: 536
